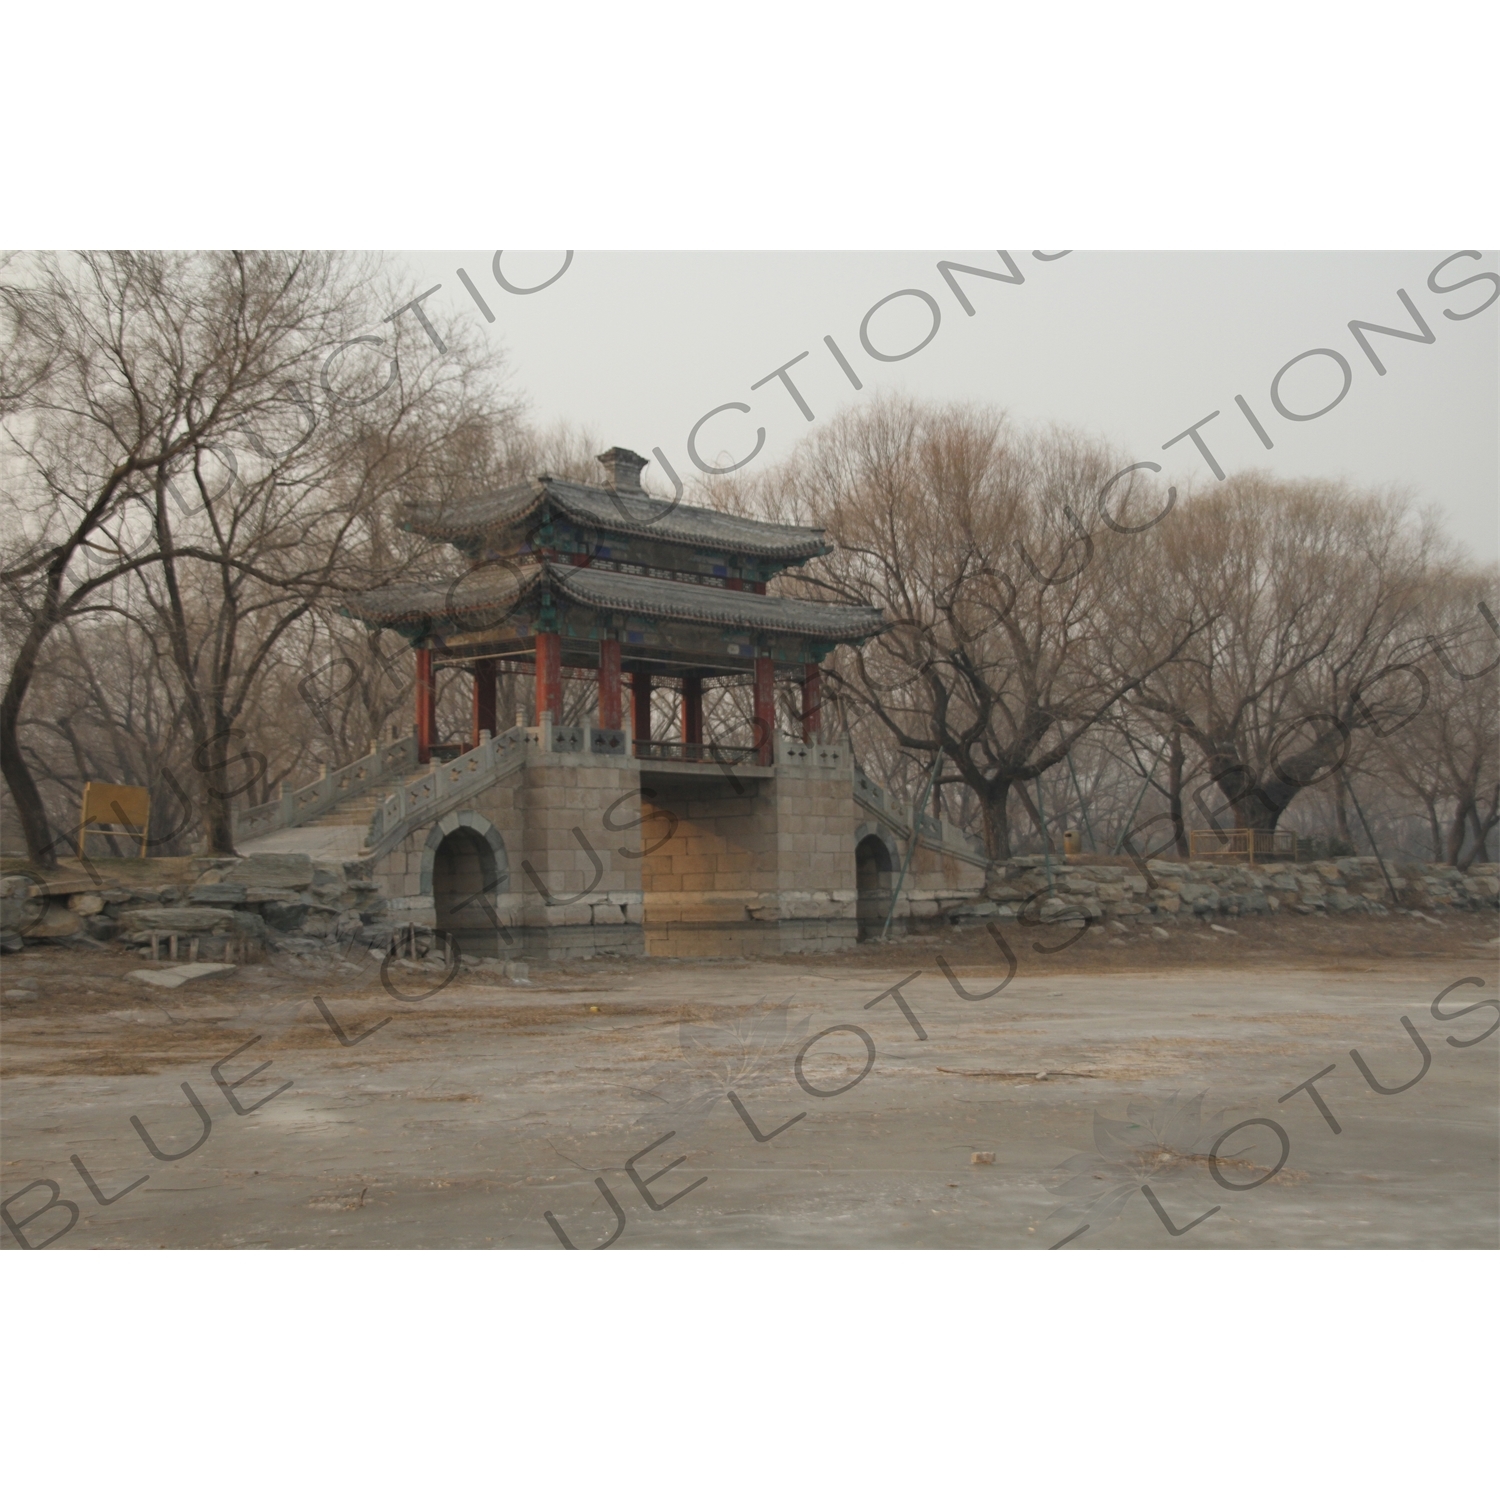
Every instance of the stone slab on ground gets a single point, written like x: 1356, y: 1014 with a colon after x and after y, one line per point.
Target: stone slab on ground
x: 173, y: 979
x: 333, y: 841
x: 287, y: 870
x: 181, y: 919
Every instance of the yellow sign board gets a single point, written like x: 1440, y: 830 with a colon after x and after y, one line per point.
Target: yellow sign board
x: 123, y: 808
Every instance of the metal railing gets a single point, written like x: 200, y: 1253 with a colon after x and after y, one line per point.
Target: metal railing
x: 1249, y: 844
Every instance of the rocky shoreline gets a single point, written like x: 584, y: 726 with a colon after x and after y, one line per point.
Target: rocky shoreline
x: 1158, y: 890
x: 294, y: 904
x: 284, y: 902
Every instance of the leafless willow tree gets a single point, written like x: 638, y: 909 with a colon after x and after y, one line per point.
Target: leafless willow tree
x: 203, y: 445
x: 1312, y: 594
x: 1440, y: 749
x: 1019, y: 618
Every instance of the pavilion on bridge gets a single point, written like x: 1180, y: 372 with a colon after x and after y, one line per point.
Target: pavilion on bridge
x: 566, y: 577
x: 511, y: 840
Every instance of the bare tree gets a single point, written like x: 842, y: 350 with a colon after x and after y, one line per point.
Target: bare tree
x: 223, y: 427
x: 1441, y: 749
x: 1018, y: 619
x: 1312, y: 593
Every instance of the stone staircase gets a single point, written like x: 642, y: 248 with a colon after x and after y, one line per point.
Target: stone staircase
x: 356, y: 811
x: 933, y: 832
x: 338, y: 833
x: 329, y: 818
x: 362, y: 811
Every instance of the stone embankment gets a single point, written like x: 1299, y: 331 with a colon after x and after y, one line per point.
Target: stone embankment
x: 284, y: 902
x: 294, y: 904
x: 1163, y: 890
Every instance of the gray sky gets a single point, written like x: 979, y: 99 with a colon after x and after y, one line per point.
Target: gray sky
x: 1131, y: 346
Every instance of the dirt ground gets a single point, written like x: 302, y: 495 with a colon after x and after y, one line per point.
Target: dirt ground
x: 595, y: 1100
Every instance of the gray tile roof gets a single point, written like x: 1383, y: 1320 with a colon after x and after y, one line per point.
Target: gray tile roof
x: 665, y: 598
x: 489, y: 592
x: 632, y: 515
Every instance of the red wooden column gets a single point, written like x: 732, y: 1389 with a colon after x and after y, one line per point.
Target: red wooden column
x: 765, y: 709
x: 426, y: 705
x: 484, y: 698
x: 609, y: 684
x: 692, y: 710
x: 812, y: 702
x: 548, y: 675
x: 640, y: 705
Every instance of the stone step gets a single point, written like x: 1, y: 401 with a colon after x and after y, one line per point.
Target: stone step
x: 356, y: 810
x: 365, y: 805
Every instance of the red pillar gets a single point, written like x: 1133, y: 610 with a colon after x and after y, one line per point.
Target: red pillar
x: 692, y: 710
x: 765, y: 709
x: 426, y: 705
x: 640, y: 705
x: 484, y: 698
x: 548, y: 675
x: 812, y: 702
x: 609, y: 684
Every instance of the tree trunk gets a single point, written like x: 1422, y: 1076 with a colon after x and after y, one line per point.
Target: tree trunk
x: 1456, y: 831
x: 1482, y: 828
x: 1175, y: 762
x: 1259, y: 798
x: 1436, y: 830
x: 995, y: 810
x: 218, y: 822
x: 1252, y: 803
x: 40, y: 845
x: 1341, y: 812
x: 1251, y: 812
x: 214, y: 761
x: 1038, y: 821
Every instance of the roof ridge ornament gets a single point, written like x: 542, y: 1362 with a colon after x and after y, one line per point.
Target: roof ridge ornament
x: 622, y: 460
x: 624, y: 469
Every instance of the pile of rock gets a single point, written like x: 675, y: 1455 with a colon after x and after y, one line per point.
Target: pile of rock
x: 1119, y: 891
x: 285, y: 902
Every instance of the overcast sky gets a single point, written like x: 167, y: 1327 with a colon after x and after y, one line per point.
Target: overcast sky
x: 1133, y: 347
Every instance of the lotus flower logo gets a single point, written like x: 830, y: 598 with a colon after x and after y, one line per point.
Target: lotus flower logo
x: 1171, y: 1142
x: 719, y: 1058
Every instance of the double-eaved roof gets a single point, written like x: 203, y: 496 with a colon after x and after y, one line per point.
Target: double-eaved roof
x: 484, y: 519
x: 492, y: 592
x: 554, y: 542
